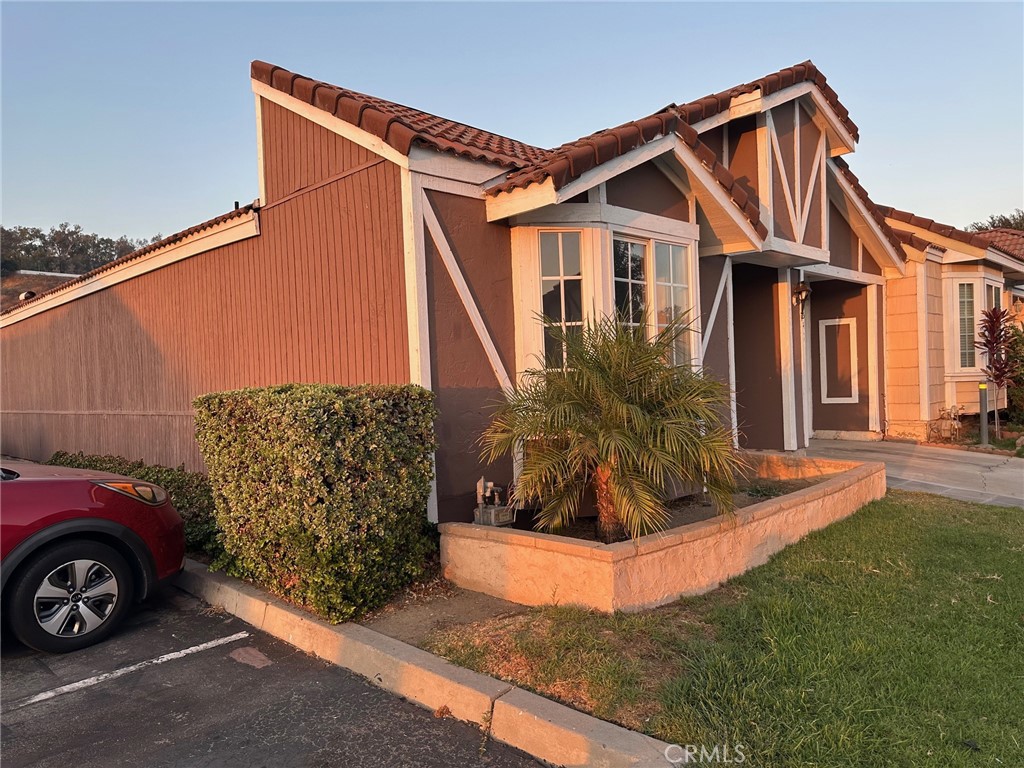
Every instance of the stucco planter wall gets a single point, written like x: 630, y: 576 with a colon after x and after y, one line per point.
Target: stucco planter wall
x: 542, y: 569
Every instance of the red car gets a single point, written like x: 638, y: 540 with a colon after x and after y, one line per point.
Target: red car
x: 77, y: 547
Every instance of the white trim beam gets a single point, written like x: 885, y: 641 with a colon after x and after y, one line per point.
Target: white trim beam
x: 466, y: 295
x: 854, y: 396
x: 334, y: 124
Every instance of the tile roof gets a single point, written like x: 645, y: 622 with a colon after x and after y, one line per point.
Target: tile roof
x: 915, y: 241
x: 711, y: 105
x: 1007, y: 240
x: 876, y: 212
x: 16, y: 283
x: 170, y: 240
x: 397, y: 125
x: 572, y: 160
x: 976, y: 239
x: 401, y: 126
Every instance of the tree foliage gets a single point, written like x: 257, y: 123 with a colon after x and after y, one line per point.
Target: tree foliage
x: 64, y: 248
x: 618, y: 419
x: 994, y: 338
x: 1013, y: 220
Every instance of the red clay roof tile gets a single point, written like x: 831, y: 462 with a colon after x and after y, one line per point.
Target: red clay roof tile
x: 975, y: 239
x: 397, y: 125
x: 1007, y: 240
x: 711, y: 105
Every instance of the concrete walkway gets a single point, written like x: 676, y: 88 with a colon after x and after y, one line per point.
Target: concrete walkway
x: 965, y: 475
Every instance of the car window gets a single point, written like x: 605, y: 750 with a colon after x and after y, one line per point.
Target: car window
x: 8, y: 474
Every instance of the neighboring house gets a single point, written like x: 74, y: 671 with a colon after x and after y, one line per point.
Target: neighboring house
x: 934, y: 312
x: 390, y: 245
x: 28, y: 281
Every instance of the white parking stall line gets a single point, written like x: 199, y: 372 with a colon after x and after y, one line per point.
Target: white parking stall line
x: 91, y: 681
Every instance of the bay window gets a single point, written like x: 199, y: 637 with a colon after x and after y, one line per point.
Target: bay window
x: 571, y: 273
x: 966, y: 319
x: 967, y: 296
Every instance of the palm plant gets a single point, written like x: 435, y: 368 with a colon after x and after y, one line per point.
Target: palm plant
x: 617, y: 418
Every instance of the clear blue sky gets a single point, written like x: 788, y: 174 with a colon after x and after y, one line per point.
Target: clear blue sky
x: 138, y: 118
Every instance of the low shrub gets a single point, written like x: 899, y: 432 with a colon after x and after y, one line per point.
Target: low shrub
x: 321, y: 490
x: 189, y: 491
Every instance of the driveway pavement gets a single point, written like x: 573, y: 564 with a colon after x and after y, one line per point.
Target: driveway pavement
x: 965, y: 475
x: 183, y: 686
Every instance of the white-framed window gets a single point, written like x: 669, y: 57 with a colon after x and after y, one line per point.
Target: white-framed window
x: 652, y: 286
x: 966, y: 323
x: 567, y: 273
x: 561, y: 273
x: 967, y: 296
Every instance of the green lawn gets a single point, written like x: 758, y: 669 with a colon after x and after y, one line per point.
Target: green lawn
x: 894, y: 638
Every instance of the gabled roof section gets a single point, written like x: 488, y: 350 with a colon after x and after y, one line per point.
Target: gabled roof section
x: 975, y: 239
x: 1007, y: 240
x: 876, y: 212
x: 805, y: 72
x: 398, y: 125
x: 244, y: 210
x: 570, y: 161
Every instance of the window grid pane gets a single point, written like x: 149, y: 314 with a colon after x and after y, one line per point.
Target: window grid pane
x: 966, y: 301
x: 630, y: 283
x: 671, y: 296
x: 562, y: 287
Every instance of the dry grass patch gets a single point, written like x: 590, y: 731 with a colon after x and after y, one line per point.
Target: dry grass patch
x: 613, y: 666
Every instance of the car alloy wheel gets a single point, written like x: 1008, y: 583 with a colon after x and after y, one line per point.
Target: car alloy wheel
x: 76, y: 598
x: 69, y: 595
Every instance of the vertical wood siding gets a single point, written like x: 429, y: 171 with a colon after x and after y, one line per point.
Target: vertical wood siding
x: 758, y: 357
x: 297, y: 152
x: 839, y: 299
x: 318, y: 296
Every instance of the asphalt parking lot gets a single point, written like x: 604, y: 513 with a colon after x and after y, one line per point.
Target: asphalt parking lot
x: 181, y: 685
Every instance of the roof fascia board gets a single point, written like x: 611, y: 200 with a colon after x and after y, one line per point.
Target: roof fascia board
x: 226, y: 233
x: 605, y: 215
x: 617, y: 166
x: 949, y: 244
x: 823, y: 114
x: 524, y: 199
x: 1005, y: 263
x: 432, y: 162
x: 799, y: 250
x: 867, y: 224
x: 506, y: 204
x: 828, y: 272
x: 331, y: 123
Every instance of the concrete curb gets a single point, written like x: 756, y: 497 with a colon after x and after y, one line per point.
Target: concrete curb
x: 548, y: 731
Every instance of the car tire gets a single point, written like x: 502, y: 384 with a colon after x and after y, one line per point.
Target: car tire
x: 70, y: 596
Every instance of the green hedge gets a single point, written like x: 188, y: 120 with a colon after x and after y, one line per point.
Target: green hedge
x: 189, y: 491
x: 321, y: 490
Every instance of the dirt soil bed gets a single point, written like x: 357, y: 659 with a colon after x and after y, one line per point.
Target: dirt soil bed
x: 433, y: 606
x: 693, y: 509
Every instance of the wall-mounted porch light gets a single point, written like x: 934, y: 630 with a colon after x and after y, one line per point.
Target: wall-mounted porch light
x: 801, y: 293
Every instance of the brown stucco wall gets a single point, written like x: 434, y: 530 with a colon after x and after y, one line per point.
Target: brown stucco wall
x: 838, y: 299
x: 716, y: 354
x: 318, y: 296
x: 462, y: 378
x: 646, y: 189
x: 758, y: 380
